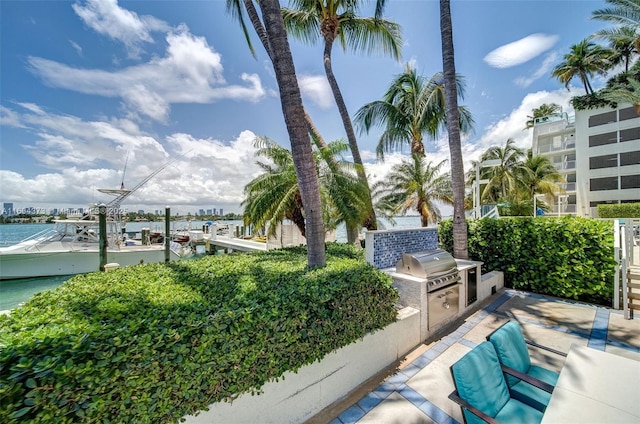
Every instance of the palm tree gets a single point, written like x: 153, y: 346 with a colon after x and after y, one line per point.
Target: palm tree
x: 415, y: 184
x: 623, y: 41
x: 274, y: 195
x: 622, y: 12
x: 333, y: 20
x: 338, y: 20
x: 543, y: 110
x: 412, y: 107
x: 460, y: 245
x: 583, y: 61
x: 273, y: 34
x: 538, y: 175
x: 502, y: 177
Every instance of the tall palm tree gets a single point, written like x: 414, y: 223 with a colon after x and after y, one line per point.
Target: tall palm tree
x: 624, y: 43
x: 338, y: 20
x: 583, y: 61
x: 412, y: 107
x: 541, y: 111
x: 460, y: 244
x: 417, y: 185
x: 295, y: 120
x: 502, y: 177
x: 274, y: 195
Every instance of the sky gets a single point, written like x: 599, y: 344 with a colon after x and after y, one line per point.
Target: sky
x: 99, y: 93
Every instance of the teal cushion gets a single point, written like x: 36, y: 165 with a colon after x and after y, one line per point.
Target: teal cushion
x: 479, y: 380
x: 531, y: 395
x: 518, y: 413
x: 511, y: 348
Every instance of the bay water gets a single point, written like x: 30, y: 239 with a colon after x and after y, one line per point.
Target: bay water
x: 15, y: 292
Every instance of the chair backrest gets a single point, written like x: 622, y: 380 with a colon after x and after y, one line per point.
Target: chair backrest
x: 511, y: 348
x: 479, y: 380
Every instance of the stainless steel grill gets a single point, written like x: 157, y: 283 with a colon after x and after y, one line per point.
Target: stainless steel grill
x: 438, y: 271
x: 437, y: 266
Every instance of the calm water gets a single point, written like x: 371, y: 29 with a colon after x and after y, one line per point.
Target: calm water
x: 15, y: 292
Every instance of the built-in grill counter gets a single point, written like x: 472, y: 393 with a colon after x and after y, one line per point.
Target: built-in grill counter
x: 436, y: 284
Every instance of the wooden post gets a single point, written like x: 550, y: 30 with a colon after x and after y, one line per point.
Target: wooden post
x: 167, y: 234
x: 102, y: 229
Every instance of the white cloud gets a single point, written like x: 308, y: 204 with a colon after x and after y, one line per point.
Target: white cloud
x: 549, y: 62
x: 86, y: 155
x: 316, y: 88
x: 76, y: 47
x: 520, y: 51
x: 512, y: 125
x: 190, y: 72
x: 107, y: 18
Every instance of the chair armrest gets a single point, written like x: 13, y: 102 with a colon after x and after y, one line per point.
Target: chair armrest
x: 528, y: 379
x: 475, y: 411
x: 534, y: 344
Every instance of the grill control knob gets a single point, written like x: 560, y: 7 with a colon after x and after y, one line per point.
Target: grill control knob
x: 446, y: 305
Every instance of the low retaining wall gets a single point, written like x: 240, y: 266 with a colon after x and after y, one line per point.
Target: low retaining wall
x: 299, y: 396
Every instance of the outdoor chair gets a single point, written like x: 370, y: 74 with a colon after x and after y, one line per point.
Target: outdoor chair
x: 511, y: 347
x: 482, y: 391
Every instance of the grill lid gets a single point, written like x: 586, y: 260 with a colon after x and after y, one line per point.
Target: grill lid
x: 428, y: 264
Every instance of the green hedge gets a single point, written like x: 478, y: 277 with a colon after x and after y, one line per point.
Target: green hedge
x: 567, y: 257
x: 152, y: 343
x: 622, y: 210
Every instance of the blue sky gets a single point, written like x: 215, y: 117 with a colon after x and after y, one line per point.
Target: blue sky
x: 85, y: 85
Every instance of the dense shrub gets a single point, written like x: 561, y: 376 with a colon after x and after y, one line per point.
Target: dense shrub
x: 152, y: 343
x: 567, y: 257
x: 622, y: 210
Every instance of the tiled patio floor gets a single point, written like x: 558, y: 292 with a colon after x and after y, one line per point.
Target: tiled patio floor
x: 418, y: 392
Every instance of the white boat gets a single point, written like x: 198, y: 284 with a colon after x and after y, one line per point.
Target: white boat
x: 72, y: 247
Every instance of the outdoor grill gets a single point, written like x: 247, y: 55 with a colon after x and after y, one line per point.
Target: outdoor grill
x: 434, y: 272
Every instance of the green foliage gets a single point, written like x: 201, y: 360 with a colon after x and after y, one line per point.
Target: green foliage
x: 152, y: 343
x: 591, y: 101
x: 622, y: 210
x: 568, y: 257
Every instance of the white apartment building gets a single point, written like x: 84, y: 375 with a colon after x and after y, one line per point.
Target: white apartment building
x: 598, y: 155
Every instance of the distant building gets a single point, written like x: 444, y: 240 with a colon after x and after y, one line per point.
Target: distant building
x: 598, y: 155
x: 209, y: 211
x: 140, y: 211
x: 214, y: 212
x: 7, y: 209
x: 221, y: 212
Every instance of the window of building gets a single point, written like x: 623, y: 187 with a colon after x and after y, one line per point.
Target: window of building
x: 630, y: 134
x: 602, y: 118
x: 630, y: 181
x: 571, y: 178
x: 602, y: 139
x: 606, y: 161
x: 607, y: 183
x: 627, y: 113
x: 630, y: 158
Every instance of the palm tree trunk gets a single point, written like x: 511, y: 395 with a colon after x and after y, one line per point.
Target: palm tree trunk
x: 294, y: 116
x: 348, y: 127
x: 460, y: 249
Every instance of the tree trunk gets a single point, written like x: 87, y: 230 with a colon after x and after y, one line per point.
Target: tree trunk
x: 460, y: 249
x: 348, y: 127
x: 294, y: 116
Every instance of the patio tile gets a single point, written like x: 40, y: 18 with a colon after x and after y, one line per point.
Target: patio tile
x: 396, y: 410
x: 351, y: 415
x: 479, y: 333
x: 624, y: 331
x: 575, y: 317
x: 434, y: 382
x: 369, y: 402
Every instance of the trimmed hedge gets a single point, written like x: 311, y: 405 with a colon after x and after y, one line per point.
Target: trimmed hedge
x: 621, y: 210
x: 152, y: 343
x: 563, y: 257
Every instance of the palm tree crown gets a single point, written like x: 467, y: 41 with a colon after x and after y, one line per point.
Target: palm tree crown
x: 543, y: 110
x: 415, y: 184
x: 411, y: 107
x: 583, y: 61
x: 502, y: 178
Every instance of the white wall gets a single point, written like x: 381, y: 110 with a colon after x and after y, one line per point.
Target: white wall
x: 300, y: 396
